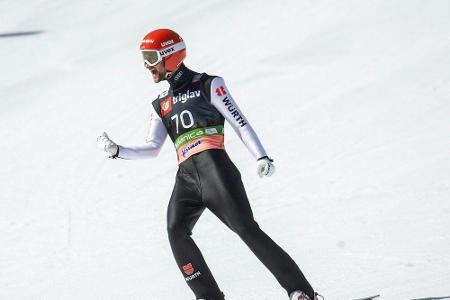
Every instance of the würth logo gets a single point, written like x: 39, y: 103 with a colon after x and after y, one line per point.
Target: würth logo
x: 234, y: 112
x: 166, y: 106
x: 220, y: 91
x: 188, y: 269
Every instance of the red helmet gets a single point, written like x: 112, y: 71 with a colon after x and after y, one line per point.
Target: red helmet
x: 163, y: 43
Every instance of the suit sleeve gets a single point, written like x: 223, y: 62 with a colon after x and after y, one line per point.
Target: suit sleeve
x: 225, y: 104
x: 154, y: 141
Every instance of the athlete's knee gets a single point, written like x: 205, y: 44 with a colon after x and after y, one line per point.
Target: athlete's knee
x: 244, y: 229
x: 177, y: 229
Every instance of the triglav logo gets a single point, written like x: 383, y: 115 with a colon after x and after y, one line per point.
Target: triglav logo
x: 186, y: 96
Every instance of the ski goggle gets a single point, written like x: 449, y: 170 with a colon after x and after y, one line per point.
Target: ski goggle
x: 151, y: 57
x: 154, y: 57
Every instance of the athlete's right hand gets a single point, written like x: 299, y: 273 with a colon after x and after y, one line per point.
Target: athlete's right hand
x: 107, y: 145
x: 265, y: 166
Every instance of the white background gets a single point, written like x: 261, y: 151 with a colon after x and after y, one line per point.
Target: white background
x: 351, y: 99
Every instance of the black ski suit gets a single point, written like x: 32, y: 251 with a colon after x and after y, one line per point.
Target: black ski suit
x: 207, y: 178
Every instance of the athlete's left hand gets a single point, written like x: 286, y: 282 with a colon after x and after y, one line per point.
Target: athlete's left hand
x: 265, y: 166
x: 108, y: 145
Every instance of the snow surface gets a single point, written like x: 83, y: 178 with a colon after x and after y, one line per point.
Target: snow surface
x: 351, y: 98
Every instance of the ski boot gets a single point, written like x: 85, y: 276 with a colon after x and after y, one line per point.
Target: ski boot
x: 299, y: 295
x: 221, y: 297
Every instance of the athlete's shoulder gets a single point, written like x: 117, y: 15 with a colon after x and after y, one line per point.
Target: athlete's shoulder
x: 207, y: 80
x: 156, y: 103
x: 162, y: 94
x: 206, y: 76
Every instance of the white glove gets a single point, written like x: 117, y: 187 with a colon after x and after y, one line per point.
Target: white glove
x: 106, y: 144
x: 265, y: 167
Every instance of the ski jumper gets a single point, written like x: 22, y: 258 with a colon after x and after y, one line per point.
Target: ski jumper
x: 192, y: 113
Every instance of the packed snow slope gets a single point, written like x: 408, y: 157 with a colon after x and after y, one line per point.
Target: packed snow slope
x: 351, y: 98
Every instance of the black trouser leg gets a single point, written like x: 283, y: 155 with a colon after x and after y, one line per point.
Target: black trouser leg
x: 185, y: 207
x: 279, y: 263
x: 225, y: 196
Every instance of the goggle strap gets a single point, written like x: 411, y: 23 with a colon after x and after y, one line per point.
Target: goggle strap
x: 173, y: 48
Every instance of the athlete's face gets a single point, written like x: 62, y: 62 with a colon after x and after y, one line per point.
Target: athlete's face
x: 158, y: 71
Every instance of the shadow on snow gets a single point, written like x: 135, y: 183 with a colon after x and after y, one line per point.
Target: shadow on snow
x: 432, y: 298
x: 20, y: 33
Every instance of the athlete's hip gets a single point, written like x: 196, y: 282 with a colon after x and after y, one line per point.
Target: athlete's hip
x: 209, y: 160
x: 213, y: 172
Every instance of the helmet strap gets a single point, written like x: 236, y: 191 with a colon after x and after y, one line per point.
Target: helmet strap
x: 167, y: 73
